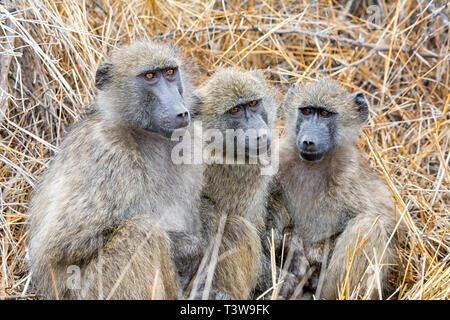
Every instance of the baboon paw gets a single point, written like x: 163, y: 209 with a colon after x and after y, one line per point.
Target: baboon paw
x: 291, y: 287
x: 298, y: 263
x: 299, y: 267
x: 219, y: 295
x: 214, y: 294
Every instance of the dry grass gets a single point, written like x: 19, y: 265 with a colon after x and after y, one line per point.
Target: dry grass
x: 50, y: 51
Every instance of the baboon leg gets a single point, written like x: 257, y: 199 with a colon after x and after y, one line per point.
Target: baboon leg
x: 135, y: 263
x: 373, y: 257
x: 239, y: 255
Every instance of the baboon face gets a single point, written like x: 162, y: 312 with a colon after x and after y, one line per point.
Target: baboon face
x: 249, y: 119
x: 240, y: 101
x: 325, y: 116
x: 144, y: 86
x: 315, y: 132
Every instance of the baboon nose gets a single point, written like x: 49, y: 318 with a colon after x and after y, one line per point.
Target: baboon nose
x: 182, y: 119
x: 308, y: 145
x: 182, y: 115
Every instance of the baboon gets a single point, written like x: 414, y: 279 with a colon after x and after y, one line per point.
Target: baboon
x: 342, y: 210
x: 241, y: 101
x: 113, y: 208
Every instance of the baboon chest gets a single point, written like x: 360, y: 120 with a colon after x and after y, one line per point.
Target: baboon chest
x: 316, y: 215
x: 237, y: 190
x: 172, y: 191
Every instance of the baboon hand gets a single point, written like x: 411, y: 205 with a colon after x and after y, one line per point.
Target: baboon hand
x: 296, y: 261
x: 213, y: 294
x: 267, y: 240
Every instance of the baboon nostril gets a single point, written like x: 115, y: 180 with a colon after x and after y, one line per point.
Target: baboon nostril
x: 183, y: 115
x: 308, y: 143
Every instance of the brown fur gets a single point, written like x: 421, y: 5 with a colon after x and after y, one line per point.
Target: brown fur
x: 237, y: 190
x: 287, y: 246
x: 111, y: 195
x: 238, y: 257
x: 339, y: 200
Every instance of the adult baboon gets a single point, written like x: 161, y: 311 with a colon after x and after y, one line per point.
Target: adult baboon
x: 106, y: 213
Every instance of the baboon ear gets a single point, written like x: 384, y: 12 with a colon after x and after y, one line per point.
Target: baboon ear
x: 290, y: 92
x: 287, y: 98
x: 259, y: 74
x: 174, y: 47
x: 362, y: 104
x: 196, y: 102
x: 103, y: 76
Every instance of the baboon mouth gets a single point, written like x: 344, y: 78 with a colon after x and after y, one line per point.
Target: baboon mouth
x: 165, y: 133
x: 182, y: 126
x: 311, y: 156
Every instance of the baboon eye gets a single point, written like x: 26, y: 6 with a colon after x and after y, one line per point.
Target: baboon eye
x: 149, y: 75
x: 170, y: 72
x: 324, y: 113
x: 306, y: 110
x: 234, y: 110
x: 252, y: 103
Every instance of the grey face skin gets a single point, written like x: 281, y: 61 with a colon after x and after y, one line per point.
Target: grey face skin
x: 315, y: 132
x: 161, y: 97
x: 250, y: 115
x: 316, y: 128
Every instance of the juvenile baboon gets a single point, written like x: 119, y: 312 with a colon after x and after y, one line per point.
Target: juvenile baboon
x: 335, y: 200
x: 242, y: 101
x: 112, y: 207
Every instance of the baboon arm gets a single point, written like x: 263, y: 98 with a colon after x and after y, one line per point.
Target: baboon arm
x: 209, y: 218
x: 78, y: 243
x: 237, y: 264
x: 295, y: 264
x: 364, y: 244
x: 84, y: 208
x: 239, y: 256
x: 278, y: 220
x: 83, y: 228
x: 187, y: 252
x: 135, y: 263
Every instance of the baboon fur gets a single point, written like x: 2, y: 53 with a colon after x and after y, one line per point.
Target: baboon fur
x: 339, y: 202
x: 111, y: 195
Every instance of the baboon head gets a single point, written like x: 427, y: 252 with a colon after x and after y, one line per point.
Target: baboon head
x: 322, y: 115
x: 144, y: 84
x: 240, y: 101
